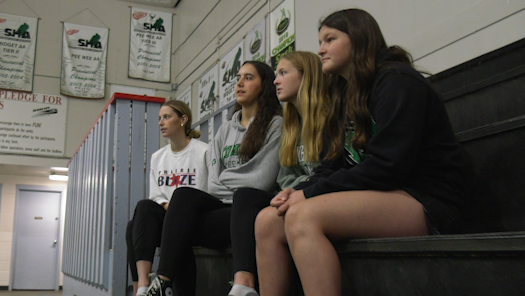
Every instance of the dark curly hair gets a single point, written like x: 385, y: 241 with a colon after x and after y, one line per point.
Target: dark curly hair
x: 267, y: 106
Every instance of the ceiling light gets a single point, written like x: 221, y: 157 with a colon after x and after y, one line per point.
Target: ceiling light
x: 57, y: 177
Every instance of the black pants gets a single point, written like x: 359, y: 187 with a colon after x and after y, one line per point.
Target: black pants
x: 143, y: 233
x: 247, y: 203
x: 195, y: 218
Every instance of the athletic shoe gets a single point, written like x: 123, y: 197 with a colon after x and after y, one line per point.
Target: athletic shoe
x: 249, y: 294
x: 240, y: 290
x: 159, y: 287
x: 142, y: 291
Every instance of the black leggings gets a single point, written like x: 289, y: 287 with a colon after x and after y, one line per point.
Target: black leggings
x: 247, y: 203
x: 143, y: 233
x: 195, y: 218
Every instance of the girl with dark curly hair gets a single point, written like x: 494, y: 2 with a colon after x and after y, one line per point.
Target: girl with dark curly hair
x: 244, y: 153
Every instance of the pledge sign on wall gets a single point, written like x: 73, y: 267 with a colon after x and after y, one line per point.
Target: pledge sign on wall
x: 32, y: 123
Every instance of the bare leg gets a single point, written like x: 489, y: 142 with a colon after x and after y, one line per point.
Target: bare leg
x: 135, y: 287
x: 244, y: 278
x: 273, y: 256
x: 313, y: 225
x: 143, y: 269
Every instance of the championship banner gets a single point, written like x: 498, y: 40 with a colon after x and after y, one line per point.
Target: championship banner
x: 255, y: 43
x: 208, y: 91
x: 230, y: 65
x: 186, y: 96
x: 17, y: 51
x: 84, y: 53
x: 150, y: 45
x: 32, y: 123
x: 282, y: 31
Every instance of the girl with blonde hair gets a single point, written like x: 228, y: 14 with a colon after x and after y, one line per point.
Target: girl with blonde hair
x: 182, y: 163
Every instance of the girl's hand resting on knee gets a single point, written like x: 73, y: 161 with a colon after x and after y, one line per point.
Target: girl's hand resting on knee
x: 281, y: 197
x: 286, y: 198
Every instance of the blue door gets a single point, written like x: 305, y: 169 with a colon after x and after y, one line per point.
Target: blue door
x: 36, y: 240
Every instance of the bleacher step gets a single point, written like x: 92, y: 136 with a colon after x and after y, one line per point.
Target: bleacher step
x: 473, y: 264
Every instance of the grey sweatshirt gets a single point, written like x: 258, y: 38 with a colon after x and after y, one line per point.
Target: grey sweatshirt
x: 289, y: 177
x: 227, y: 173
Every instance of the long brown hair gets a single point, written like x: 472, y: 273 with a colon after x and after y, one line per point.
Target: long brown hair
x: 181, y: 109
x: 267, y: 106
x: 369, y: 52
x: 314, y: 102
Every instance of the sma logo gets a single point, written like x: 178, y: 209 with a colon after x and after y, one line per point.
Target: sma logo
x: 157, y: 26
x: 93, y: 43
x: 20, y: 33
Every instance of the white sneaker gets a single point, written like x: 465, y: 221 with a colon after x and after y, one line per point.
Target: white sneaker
x: 142, y: 291
x: 241, y: 290
x: 159, y: 287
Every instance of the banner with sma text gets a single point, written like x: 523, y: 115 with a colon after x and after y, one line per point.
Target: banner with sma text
x: 17, y: 51
x: 150, y: 45
x: 84, y: 53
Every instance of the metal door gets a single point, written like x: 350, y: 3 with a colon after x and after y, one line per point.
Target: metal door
x: 36, y: 245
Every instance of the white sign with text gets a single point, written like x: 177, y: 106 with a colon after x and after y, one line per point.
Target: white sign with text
x: 32, y: 123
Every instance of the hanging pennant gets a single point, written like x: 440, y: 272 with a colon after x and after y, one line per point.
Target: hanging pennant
x: 84, y: 52
x: 282, y: 31
x: 255, y: 43
x: 230, y: 65
x: 208, y: 92
x: 17, y: 51
x: 150, y: 45
x: 186, y: 96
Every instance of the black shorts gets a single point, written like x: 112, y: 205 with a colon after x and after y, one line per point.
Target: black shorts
x: 442, y: 217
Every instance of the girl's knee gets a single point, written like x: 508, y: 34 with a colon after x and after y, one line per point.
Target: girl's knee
x: 144, y: 204
x: 187, y: 197
x: 299, y: 221
x: 266, y: 222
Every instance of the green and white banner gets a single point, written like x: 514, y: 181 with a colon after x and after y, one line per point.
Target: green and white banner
x: 84, y: 54
x: 282, y: 31
x: 150, y: 45
x: 230, y: 65
x: 255, y: 43
x: 208, y: 92
x: 185, y: 96
x: 17, y: 51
